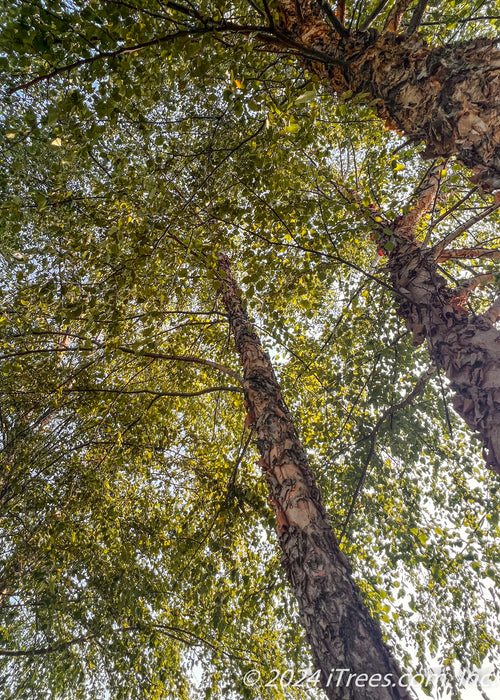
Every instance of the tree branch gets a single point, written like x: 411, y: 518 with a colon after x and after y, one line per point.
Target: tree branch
x: 185, y: 358
x: 445, y: 20
x: 49, y: 649
x: 469, y: 285
x: 194, y: 31
x: 157, y: 394
x: 424, y: 378
x: 340, y: 13
x: 469, y: 254
x: 373, y: 16
x: 335, y: 21
x: 416, y: 17
x: 405, y: 226
x: 439, y: 247
x: 395, y: 16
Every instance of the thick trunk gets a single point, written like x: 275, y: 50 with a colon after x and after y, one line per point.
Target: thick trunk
x: 464, y: 345
x: 447, y: 96
x: 340, y: 631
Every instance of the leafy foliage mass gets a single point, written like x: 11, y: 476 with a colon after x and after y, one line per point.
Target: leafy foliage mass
x: 138, y: 556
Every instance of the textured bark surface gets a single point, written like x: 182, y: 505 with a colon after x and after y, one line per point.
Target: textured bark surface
x: 448, y: 97
x: 464, y: 345
x: 340, y: 631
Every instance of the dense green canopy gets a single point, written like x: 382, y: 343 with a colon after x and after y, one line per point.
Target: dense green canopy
x: 138, y: 553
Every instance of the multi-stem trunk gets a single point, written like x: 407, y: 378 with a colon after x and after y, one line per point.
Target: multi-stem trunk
x: 447, y: 96
x: 339, y: 628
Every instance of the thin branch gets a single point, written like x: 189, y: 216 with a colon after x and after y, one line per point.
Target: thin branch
x: 185, y: 358
x: 469, y: 254
x: 416, y: 17
x: 47, y: 650
x: 373, y: 16
x: 445, y: 20
x: 447, y: 213
x: 335, y: 21
x: 257, y: 8
x: 194, y: 31
x: 439, y: 247
x: 393, y: 21
x: 280, y: 39
x: 230, y: 488
x: 340, y: 13
x: 189, y: 11
x: 419, y: 386
x: 269, y: 13
x: 168, y: 630
x: 157, y: 394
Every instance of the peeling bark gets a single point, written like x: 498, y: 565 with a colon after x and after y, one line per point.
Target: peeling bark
x: 448, y: 96
x: 340, y: 631
x: 464, y: 345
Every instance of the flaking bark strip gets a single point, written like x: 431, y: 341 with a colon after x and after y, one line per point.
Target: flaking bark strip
x: 339, y: 628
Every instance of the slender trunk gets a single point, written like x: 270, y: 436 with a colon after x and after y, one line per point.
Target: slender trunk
x: 340, y: 631
x: 446, y: 96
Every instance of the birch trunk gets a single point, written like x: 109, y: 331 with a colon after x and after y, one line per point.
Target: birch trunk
x: 466, y: 346
x: 340, y: 631
x: 446, y: 96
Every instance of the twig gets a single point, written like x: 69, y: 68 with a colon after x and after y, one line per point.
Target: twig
x: 373, y: 435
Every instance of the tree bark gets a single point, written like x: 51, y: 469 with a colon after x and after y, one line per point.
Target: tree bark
x: 340, y: 631
x: 446, y: 96
x: 466, y: 346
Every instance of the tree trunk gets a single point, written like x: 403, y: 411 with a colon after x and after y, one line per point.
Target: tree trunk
x: 340, y: 631
x: 446, y: 96
x: 463, y: 344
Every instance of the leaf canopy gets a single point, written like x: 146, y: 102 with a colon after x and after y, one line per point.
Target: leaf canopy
x: 138, y: 547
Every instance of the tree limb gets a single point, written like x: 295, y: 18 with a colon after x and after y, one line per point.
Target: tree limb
x: 194, y: 31
x: 335, y: 20
x: 395, y: 16
x: 469, y: 254
x: 340, y: 13
x: 373, y: 15
x: 469, y: 285
x: 157, y: 394
x: 185, y: 358
x: 439, y: 247
x: 416, y: 17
